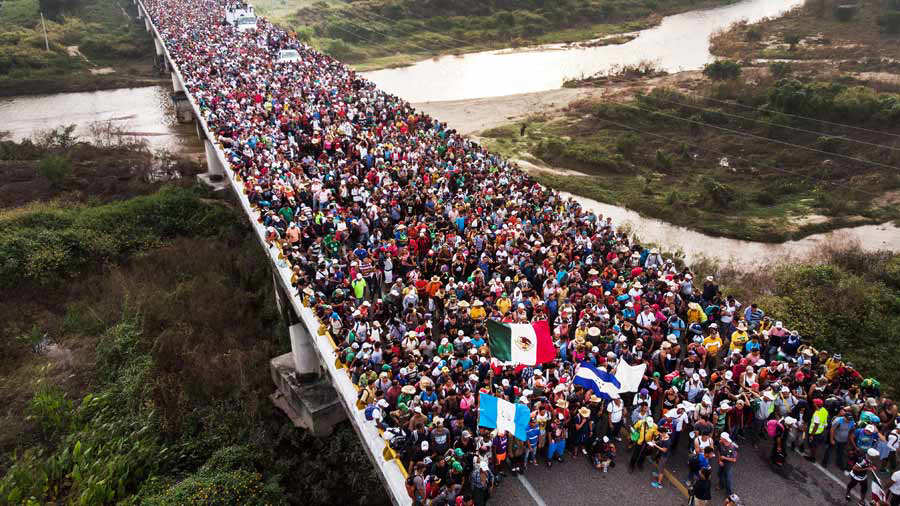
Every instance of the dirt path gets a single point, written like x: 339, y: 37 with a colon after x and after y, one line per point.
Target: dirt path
x: 477, y: 114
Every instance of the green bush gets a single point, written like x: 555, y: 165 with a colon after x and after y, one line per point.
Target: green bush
x: 780, y: 69
x: 721, y: 70
x: 55, y: 168
x: 70, y: 240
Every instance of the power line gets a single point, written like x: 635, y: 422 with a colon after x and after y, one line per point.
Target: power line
x: 759, y: 137
x: 844, y: 125
x: 714, y: 151
x: 371, y: 13
x: 654, y: 97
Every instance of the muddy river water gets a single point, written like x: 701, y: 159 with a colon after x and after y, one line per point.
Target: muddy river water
x: 680, y: 42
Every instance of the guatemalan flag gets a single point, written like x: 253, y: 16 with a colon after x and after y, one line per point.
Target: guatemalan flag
x: 496, y: 413
x: 604, y: 385
x: 521, y: 343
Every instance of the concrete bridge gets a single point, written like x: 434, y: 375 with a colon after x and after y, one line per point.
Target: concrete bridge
x: 312, y: 386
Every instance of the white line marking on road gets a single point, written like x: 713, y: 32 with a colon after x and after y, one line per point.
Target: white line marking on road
x: 531, y: 491
x: 834, y: 478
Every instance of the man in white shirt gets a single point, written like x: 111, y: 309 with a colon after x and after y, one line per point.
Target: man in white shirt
x: 616, y: 412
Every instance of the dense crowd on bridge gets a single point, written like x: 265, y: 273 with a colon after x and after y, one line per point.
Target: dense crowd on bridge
x: 406, y: 237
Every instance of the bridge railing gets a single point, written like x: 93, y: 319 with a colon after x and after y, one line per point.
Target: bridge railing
x: 389, y: 468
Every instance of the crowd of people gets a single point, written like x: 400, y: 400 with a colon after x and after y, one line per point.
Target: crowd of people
x: 406, y: 237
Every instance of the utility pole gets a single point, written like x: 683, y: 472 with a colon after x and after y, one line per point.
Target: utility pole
x: 46, y: 42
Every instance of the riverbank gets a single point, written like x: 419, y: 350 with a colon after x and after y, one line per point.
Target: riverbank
x: 93, y: 45
x: 378, y: 34
x: 865, y: 39
x: 716, y: 165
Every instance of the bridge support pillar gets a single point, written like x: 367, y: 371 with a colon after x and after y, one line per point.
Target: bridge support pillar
x: 302, y: 391
x: 140, y: 14
x: 177, y: 85
x: 158, y: 45
x: 147, y: 23
x: 183, y: 111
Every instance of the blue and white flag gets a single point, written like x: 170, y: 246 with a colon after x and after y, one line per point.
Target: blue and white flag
x: 496, y: 413
x: 603, y: 384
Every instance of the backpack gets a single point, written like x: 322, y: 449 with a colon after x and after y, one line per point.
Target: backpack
x: 694, y: 463
x: 370, y: 409
x: 772, y: 427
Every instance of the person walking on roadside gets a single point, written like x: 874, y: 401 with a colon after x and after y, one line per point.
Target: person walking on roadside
x: 817, y: 425
x: 859, y: 474
x: 838, y: 437
x: 727, y: 457
x: 662, y: 444
x: 482, y: 483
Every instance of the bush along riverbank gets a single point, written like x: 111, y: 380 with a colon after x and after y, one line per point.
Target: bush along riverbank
x: 137, y: 332
x: 732, y: 157
x: 381, y: 33
x: 93, y: 45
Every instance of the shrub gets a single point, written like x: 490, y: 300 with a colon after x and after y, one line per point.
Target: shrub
x: 55, y: 168
x: 663, y: 160
x: 780, y: 69
x: 721, y: 70
x: 792, y: 39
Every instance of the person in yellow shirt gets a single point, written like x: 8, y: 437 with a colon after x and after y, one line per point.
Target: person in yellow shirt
x: 832, y: 365
x: 712, y: 344
x: 739, y: 338
x: 477, y: 312
x: 817, y: 426
x: 645, y: 430
x: 504, y: 304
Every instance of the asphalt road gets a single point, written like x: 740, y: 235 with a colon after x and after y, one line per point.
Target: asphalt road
x: 575, y: 482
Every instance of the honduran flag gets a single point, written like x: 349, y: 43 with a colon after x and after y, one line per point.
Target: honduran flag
x: 602, y: 383
x: 496, y: 413
x: 521, y: 343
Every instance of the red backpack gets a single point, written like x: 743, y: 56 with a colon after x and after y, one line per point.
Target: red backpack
x: 772, y: 427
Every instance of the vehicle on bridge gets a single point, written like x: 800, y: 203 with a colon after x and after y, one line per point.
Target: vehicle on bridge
x: 288, y: 56
x: 243, y: 18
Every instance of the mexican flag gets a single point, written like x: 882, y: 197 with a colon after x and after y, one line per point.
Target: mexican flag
x: 521, y: 343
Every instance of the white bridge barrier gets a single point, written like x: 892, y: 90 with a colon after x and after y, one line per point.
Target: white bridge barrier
x: 388, y: 466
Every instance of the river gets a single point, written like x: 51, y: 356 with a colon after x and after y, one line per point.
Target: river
x: 679, y: 42
x: 147, y: 113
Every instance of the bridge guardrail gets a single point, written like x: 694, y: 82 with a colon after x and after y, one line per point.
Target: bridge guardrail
x: 389, y: 468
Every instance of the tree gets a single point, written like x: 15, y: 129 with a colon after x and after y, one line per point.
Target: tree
x: 792, y: 39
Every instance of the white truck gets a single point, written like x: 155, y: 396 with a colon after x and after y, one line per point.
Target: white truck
x: 242, y: 18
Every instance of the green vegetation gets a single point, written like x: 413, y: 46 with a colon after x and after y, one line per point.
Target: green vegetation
x: 722, y: 70
x: 728, y: 165
x: 102, y: 30
x: 845, y: 299
x: 136, y: 338
x: 379, y: 33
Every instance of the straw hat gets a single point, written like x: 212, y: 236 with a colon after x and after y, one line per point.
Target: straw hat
x: 562, y: 403
x: 584, y: 411
x: 408, y: 389
x: 463, y: 303
x: 594, y: 331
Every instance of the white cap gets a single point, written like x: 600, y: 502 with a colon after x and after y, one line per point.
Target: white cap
x: 726, y: 437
